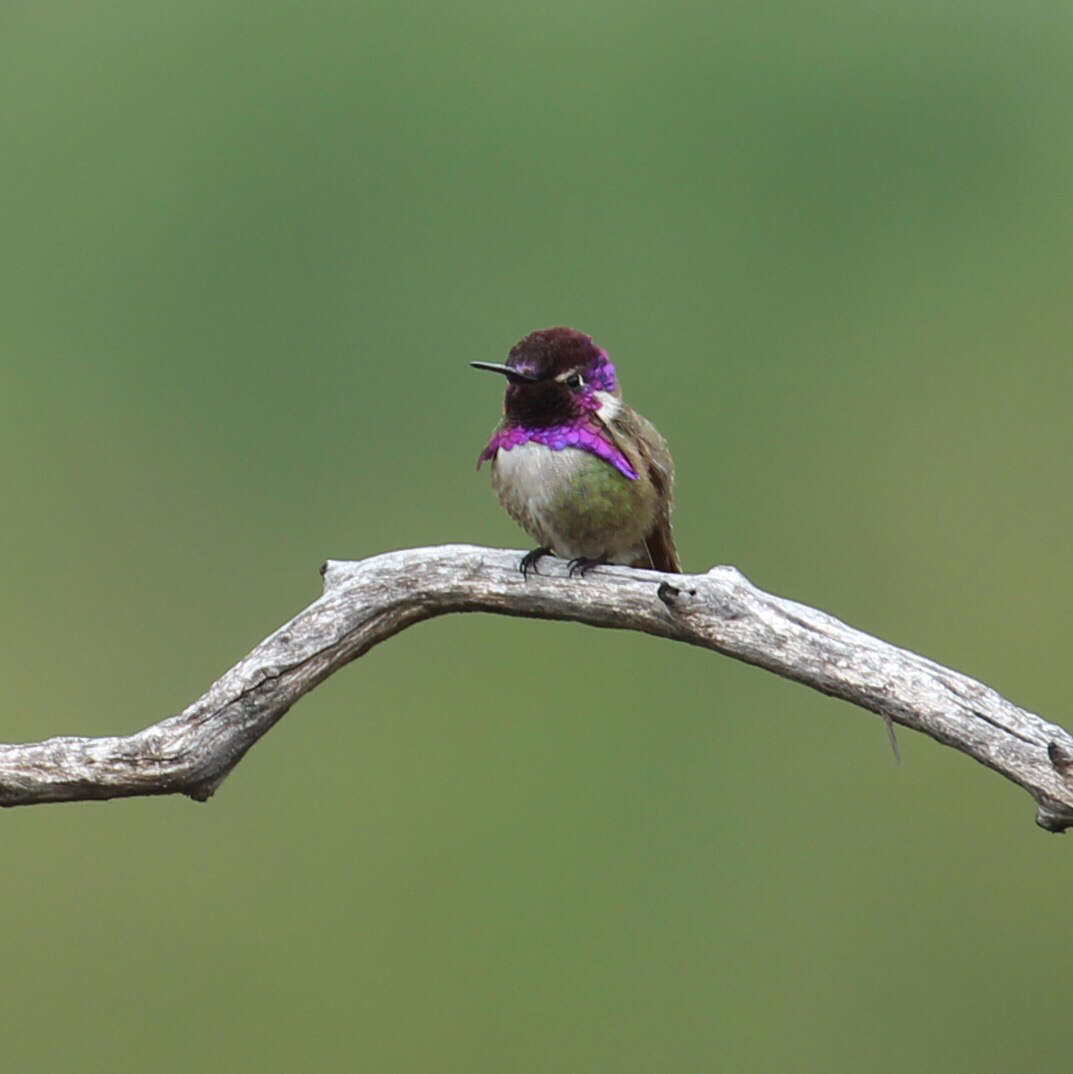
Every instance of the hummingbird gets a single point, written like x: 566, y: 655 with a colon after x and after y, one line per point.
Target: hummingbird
x: 578, y: 469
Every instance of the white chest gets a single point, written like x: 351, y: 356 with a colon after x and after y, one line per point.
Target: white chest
x: 531, y: 477
x: 572, y: 502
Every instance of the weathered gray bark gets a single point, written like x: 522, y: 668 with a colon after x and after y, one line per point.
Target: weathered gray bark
x: 364, y: 603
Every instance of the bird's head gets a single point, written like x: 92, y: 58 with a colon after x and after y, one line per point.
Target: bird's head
x: 555, y: 377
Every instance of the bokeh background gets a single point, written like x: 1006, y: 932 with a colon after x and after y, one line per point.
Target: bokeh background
x: 247, y: 253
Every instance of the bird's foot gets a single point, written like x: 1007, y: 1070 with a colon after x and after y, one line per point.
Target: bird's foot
x: 529, y: 561
x: 581, y: 566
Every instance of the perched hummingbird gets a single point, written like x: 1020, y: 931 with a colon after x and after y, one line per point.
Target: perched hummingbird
x: 574, y: 466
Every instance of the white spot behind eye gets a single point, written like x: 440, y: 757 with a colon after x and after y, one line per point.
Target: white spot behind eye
x: 609, y: 405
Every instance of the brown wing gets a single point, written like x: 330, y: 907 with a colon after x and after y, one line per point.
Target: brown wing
x: 660, y: 539
x: 655, y: 457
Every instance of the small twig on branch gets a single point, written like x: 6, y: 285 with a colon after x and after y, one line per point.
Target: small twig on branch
x: 367, y: 602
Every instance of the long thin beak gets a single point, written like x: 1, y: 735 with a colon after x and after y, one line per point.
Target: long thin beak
x: 515, y: 376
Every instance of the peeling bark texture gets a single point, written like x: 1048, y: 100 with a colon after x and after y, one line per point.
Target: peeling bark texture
x: 367, y: 602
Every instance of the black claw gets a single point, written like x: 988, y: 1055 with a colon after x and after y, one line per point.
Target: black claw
x: 582, y: 565
x: 529, y: 561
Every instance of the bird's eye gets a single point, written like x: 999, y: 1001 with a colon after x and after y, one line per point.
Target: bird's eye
x: 575, y: 380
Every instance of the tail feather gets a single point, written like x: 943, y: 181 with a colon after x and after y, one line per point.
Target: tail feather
x: 662, y: 555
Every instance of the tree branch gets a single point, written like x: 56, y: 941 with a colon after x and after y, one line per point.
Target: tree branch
x: 367, y: 602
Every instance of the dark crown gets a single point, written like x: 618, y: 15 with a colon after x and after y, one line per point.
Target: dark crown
x: 551, y: 351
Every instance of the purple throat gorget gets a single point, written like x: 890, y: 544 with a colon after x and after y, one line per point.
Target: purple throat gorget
x: 586, y: 433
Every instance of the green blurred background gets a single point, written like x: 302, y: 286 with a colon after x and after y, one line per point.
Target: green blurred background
x: 247, y: 253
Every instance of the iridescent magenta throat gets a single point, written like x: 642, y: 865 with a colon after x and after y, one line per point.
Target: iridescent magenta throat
x: 586, y: 433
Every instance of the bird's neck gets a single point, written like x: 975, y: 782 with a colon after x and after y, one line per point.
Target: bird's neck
x: 586, y: 433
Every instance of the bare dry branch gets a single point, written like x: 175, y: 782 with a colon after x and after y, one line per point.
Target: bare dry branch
x: 366, y: 602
